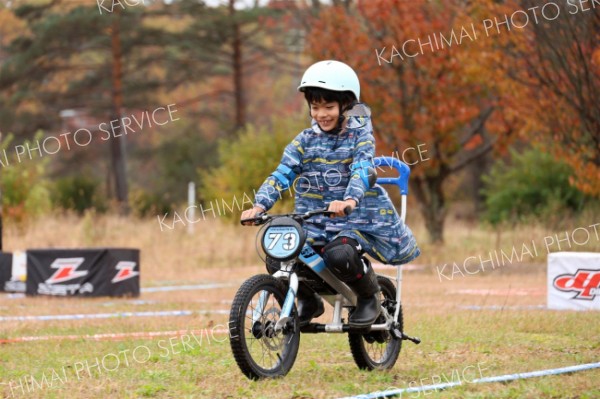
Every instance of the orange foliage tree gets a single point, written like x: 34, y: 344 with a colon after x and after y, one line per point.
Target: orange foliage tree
x: 422, y: 69
x: 558, y: 61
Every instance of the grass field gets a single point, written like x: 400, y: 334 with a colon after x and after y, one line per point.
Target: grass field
x: 486, y: 324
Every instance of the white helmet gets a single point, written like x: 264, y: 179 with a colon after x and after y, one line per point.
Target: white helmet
x: 331, y: 75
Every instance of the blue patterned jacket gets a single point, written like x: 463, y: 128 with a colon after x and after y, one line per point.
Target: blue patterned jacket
x: 317, y: 167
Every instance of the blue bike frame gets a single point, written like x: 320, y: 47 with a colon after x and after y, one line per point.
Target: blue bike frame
x: 345, y: 296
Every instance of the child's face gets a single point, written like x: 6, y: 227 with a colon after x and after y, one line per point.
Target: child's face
x: 326, y: 114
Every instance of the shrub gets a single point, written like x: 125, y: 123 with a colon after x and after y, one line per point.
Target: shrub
x: 25, y: 187
x: 143, y: 203
x: 532, y: 184
x: 78, y: 193
x: 246, y: 162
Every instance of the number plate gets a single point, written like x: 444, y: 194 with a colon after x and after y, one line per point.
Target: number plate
x: 281, y: 242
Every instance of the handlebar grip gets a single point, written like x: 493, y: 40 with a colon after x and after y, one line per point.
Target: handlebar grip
x: 255, y: 220
x: 251, y: 220
x: 347, y: 210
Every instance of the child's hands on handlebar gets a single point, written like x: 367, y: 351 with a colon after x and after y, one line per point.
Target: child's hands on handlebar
x: 251, y: 213
x: 340, y: 207
x: 335, y: 208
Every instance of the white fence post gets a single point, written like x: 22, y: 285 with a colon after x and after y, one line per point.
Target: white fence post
x: 191, y: 209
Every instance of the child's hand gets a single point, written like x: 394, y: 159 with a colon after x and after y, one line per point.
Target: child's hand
x: 339, y: 206
x: 251, y: 213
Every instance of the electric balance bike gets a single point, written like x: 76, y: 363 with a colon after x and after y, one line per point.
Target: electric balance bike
x: 263, y: 322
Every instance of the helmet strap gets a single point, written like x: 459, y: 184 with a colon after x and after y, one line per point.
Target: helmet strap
x: 342, y: 118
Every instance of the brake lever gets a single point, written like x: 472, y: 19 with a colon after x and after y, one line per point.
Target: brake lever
x: 347, y: 211
x: 255, y: 220
x: 323, y: 212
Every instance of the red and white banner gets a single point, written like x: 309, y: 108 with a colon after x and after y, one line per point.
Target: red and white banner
x: 574, y: 280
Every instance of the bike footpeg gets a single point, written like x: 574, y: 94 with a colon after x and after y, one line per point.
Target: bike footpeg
x: 414, y: 340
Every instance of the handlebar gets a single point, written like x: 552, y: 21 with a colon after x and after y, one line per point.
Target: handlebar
x: 264, y: 217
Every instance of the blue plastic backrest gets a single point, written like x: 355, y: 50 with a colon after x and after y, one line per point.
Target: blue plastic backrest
x: 403, y: 173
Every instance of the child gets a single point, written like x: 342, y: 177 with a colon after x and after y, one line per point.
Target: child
x: 328, y: 166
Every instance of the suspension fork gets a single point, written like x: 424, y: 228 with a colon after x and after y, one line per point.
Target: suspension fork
x: 260, y: 307
x: 288, y: 304
x: 290, y: 297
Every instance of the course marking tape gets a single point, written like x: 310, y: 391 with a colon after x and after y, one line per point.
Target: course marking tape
x: 502, y: 292
x: 186, y: 287
x: 17, y: 295
x: 166, y: 288
x: 83, y: 316
x: 113, y: 336
x: 129, y: 302
x: 499, y: 307
x: 499, y: 378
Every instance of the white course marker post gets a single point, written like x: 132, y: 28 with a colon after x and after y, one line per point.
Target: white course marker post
x: 191, y: 210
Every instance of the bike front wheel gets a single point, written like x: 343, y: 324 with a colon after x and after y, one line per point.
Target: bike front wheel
x: 258, y: 348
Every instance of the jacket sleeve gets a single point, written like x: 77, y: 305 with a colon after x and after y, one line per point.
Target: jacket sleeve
x: 362, y: 159
x: 283, y: 176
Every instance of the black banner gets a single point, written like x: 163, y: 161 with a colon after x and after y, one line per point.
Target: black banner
x: 5, y: 269
x: 83, y: 272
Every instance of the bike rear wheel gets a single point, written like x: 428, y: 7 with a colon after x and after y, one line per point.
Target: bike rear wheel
x: 378, y: 350
x: 259, y: 350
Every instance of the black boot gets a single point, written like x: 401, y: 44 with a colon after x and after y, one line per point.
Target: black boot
x: 310, y: 305
x: 368, y: 306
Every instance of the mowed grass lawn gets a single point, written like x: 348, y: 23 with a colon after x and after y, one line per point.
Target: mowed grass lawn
x: 474, y: 326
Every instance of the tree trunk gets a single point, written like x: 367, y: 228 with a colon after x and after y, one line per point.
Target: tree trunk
x: 474, y: 182
x: 238, y: 89
x: 117, y: 144
x: 432, y: 203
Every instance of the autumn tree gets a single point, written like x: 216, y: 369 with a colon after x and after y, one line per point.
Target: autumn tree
x: 100, y: 60
x: 558, y: 62
x: 249, y: 51
x: 77, y: 54
x: 224, y: 66
x: 419, y: 65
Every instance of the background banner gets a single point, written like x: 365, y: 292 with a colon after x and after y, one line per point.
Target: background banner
x: 83, y: 272
x: 574, y: 280
x: 5, y: 269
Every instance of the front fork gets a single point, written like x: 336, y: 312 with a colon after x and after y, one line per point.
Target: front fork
x: 313, y: 260
x: 288, y: 304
